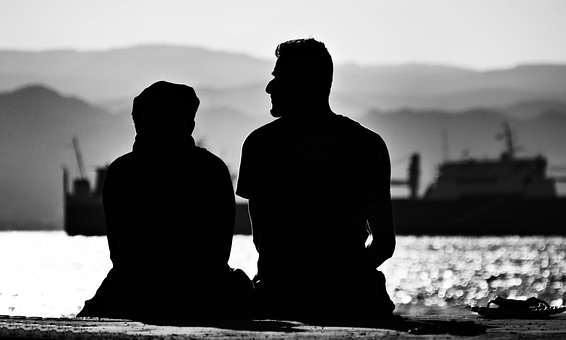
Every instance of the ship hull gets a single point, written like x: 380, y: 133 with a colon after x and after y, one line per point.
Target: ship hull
x: 466, y: 217
x: 84, y: 216
x: 480, y: 216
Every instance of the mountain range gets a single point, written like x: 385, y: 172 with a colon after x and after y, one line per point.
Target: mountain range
x: 36, y: 127
x: 112, y: 77
x: 46, y: 98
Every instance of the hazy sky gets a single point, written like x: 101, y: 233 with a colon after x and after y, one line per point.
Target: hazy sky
x: 473, y: 33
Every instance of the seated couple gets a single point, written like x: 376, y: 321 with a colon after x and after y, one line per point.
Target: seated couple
x: 317, y: 184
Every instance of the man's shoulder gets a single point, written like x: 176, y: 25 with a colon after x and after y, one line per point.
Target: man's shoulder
x: 208, y: 157
x: 267, y: 129
x: 265, y: 133
x: 122, y: 161
x: 352, y: 130
x: 131, y: 159
x: 353, y: 127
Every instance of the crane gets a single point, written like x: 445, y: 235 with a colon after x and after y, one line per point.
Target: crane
x: 79, y: 157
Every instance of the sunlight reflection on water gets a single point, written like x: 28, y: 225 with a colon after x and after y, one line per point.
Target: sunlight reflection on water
x: 52, y: 274
x: 455, y: 271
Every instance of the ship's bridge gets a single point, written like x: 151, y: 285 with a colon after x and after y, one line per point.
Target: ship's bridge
x: 509, y: 177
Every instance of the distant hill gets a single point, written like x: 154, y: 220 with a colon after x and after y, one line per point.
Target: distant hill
x: 37, y: 124
x: 89, y: 94
x: 36, y: 127
x: 468, y: 134
x: 435, y: 87
x: 118, y: 73
x: 111, y: 78
x: 527, y: 110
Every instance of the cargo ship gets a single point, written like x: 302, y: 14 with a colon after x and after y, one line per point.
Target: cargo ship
x: 83, y: 209
x: 509, y: 195
x: 82, y: 204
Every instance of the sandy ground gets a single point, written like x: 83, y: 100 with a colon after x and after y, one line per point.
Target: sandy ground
x: 436, y: 326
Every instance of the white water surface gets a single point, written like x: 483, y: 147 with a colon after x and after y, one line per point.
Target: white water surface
x: 50, y: 274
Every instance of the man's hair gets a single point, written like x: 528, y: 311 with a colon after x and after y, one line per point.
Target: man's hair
x: 310, y: 57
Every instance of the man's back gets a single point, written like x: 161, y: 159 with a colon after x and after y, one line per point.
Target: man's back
x: 169, y: 207
x: 310, y: 183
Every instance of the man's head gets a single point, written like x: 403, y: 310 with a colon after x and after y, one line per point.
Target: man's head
x: 302, y: 77
x: 165, y: 110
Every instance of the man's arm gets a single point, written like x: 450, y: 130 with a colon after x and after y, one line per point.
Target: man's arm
x: 380, y: 212
x: 228, y: 213
x: 247, y: 182
x: 256, y: 220
x: 380, y: 221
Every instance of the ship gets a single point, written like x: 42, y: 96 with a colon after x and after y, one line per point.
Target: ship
x: 83, y: 209
x: 508, y: 195
x: 82, y: 203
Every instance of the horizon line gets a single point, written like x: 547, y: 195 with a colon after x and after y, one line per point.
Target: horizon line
x: 264, y: 58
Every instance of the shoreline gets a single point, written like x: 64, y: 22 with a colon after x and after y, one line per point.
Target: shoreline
x: 446, y: 326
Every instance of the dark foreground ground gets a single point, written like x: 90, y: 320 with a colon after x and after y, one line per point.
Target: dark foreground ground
x: 445, y: 326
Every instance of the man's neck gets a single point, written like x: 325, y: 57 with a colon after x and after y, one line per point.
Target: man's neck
x: 321, y: 109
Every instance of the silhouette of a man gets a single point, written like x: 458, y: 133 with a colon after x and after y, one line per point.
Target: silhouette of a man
x: 169, y: 209
x: 317, y: 183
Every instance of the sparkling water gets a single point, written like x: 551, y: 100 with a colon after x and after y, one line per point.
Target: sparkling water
x: 50, y: 274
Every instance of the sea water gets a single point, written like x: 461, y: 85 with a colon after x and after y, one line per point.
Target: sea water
x: 50, y: 274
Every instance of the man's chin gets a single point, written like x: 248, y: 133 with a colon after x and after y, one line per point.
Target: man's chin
x: 275, y: 113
